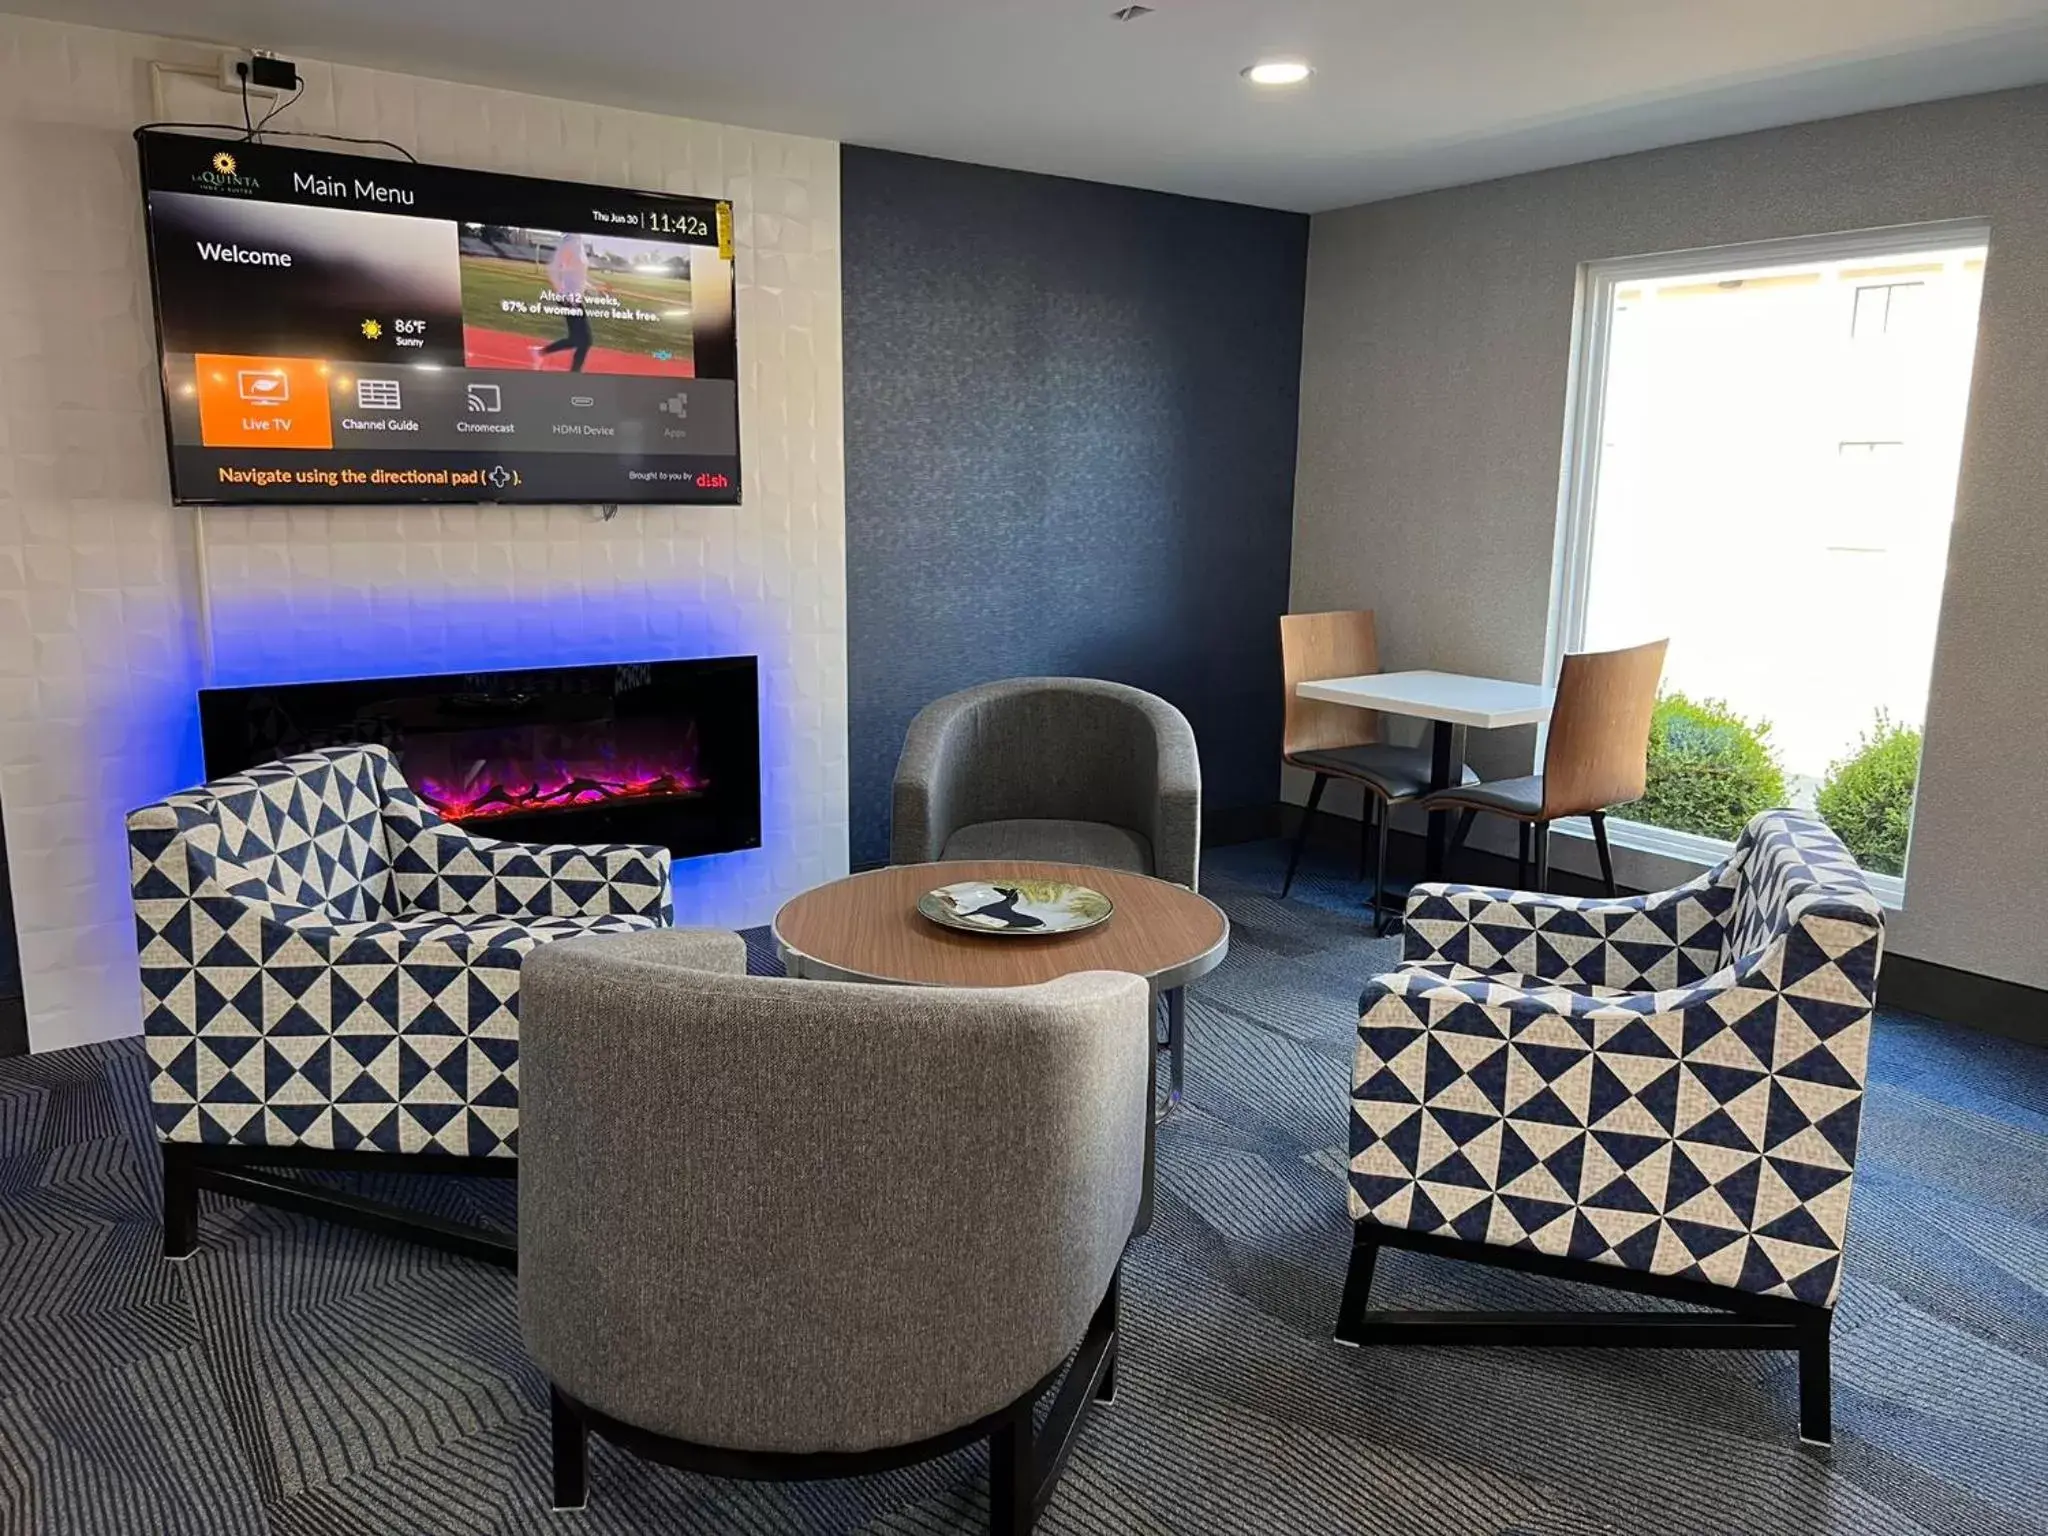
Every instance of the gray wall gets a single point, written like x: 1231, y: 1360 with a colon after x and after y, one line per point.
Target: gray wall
x: 1070, y: 437
x: 1437, y: 355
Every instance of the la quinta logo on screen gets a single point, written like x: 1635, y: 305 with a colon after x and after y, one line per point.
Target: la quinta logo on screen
x: 224, y: 175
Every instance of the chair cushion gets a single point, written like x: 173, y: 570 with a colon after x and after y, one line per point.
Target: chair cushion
x: 1056, y: 842
x: 1450, y: 971
x: 1511, y: 797
x: 476, y: 934
x: 1395, y: 773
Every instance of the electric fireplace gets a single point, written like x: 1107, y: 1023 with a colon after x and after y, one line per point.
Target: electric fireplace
x: 665, y: 752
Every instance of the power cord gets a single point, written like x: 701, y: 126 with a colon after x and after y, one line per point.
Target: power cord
x: 252, y: 129
x: 298, y: 90
x: 285, y: 133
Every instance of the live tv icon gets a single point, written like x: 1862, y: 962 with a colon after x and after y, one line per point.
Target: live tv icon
x: 263, y: 402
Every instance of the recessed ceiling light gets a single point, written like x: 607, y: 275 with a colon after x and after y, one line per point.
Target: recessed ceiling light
x: 1278, y: 72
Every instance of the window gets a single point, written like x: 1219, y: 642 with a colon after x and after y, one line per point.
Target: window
x: 1885, y: 309
x: 1873, y: 497
x: 1765, y: 442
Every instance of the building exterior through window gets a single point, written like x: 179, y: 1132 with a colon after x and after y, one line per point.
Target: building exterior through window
x: 1765, y: 471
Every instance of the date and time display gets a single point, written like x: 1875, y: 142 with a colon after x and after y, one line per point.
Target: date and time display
x: 672, y: 224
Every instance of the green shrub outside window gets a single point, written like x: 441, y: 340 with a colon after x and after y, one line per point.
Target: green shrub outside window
x: 1867, y: 797
x: 1710, y: 770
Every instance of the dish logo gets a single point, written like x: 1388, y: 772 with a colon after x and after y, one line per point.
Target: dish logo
x: 224, y: 175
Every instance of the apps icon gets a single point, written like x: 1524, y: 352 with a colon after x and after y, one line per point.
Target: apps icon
x: 676, y: 405
x: 261, y: 386
x: 485, y: 399
x: 377, y: 395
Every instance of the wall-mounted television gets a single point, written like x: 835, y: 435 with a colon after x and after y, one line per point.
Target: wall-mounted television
x: 342, y: 328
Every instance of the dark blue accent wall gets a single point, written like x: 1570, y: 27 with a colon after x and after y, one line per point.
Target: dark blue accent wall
x: 1070, y: 431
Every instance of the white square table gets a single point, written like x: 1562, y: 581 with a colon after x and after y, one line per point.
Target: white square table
x: 1453, y: 702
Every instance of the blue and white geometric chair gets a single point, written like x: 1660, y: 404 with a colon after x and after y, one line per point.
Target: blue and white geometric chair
x: 330, y: 978
x: 1659, y: 1094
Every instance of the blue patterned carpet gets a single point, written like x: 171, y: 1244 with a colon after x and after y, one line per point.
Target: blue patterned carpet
x: 301, y: 1380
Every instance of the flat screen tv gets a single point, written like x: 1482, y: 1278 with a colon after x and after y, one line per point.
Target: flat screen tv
x: 339, y: 328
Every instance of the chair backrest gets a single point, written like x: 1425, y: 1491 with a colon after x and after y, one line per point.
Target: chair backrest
x: 1598, y: 749
x: 1315, y: 646
x: 1054, y: 748
x: 304, y: 833
x: 1805, y: 944
x: 796, y: 1217
x: 1790, y: 869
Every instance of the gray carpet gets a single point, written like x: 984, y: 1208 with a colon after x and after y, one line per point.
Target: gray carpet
x: 298, y: 1379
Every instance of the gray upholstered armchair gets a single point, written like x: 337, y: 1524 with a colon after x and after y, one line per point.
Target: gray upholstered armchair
x: 723, y: 1268
x: 1064, y: 769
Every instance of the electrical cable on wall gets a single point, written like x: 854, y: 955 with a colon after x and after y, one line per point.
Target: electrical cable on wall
x: 298, y: 90
x: 253, y: 128
x: 206, y: 676
x: 286, y: 133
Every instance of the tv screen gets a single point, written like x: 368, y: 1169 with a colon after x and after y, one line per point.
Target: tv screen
x: 338, y: 328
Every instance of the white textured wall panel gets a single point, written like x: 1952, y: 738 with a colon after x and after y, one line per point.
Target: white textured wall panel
x: 101, y: 644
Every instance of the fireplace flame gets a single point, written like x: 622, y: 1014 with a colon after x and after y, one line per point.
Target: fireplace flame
x: 485, y: 793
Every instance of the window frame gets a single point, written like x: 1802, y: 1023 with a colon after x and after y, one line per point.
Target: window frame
x: 1584, y: 429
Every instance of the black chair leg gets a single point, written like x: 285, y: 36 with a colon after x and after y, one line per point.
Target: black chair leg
x: 1369, y: 806
x: 1816, y: 1388
x: 1599, y: 820
x: 1357, y: 1292
x: 1010, y: 1477
x: 1382, y: 916
x: 1541, y: 837
x: 181, y: 1207
x: 571, y: 1453
x: 1105, y: 1390
x: 1521, y: 855
x: 1462, y: 831
x: 1308, y: 814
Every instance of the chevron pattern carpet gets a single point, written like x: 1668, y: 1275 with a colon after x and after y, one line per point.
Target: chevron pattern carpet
x: 297, y: 1379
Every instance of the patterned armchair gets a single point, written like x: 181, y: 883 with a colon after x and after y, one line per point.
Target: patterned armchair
x: 1660, y: 1094
x: 329, y: 968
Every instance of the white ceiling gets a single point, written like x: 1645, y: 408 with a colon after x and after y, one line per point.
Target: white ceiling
x: 1408, y: 94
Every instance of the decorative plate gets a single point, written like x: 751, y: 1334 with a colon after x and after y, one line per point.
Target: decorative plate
x: 1016, y: 907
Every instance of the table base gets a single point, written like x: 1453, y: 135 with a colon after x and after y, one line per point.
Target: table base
x: 1175, y: 1044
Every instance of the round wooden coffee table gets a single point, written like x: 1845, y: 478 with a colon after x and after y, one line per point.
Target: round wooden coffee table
x: 865, y: 928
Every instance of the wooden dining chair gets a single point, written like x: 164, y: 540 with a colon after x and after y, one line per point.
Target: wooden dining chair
x: 1597, y: 757
x: 1336, y: 741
